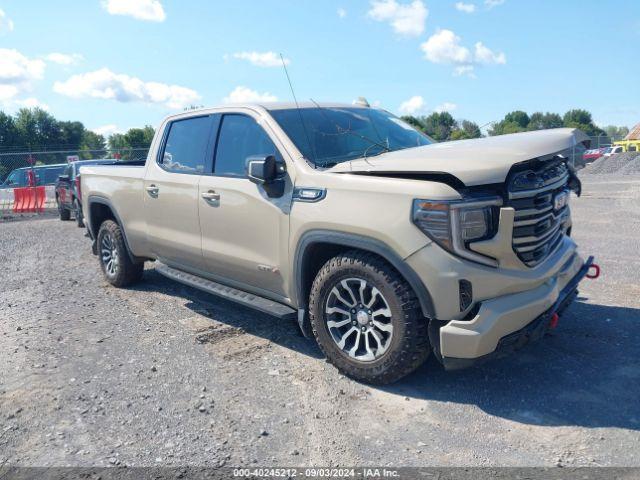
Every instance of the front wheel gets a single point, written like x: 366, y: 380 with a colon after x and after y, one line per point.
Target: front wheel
x: 366, y: 319
x: 115, y: 262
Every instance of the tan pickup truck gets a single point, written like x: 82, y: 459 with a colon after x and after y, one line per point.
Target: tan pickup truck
x: 384, y: 245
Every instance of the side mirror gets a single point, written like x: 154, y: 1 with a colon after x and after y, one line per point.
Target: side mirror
x: 264, y: 170
x: 63, y: 178
x: 267, y: 172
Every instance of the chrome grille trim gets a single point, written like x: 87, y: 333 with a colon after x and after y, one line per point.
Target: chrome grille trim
x: 538, y: 229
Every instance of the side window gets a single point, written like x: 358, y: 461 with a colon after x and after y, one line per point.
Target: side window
x: 16, y: 178
x: 240, y: 137
x: 185, y: 149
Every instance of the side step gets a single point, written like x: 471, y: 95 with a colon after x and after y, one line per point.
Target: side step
x: 244, y: 298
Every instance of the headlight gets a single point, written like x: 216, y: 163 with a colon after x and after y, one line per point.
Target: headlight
x: 455, y: 224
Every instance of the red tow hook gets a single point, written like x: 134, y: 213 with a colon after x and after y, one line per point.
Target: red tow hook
x: 553, y: 323
x: 596, y: 272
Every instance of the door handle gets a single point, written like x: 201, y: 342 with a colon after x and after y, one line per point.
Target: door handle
x: 152, y: 190
x: 211, y: 196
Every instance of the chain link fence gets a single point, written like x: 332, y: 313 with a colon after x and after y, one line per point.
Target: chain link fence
x: 39, y: 170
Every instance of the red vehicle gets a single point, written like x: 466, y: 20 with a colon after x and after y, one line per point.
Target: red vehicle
x: 68, y: 194
x: 591, y: 155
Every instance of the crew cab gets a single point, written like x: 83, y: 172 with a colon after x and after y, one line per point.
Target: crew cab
x: 69, y: 192
x: 385, y: 246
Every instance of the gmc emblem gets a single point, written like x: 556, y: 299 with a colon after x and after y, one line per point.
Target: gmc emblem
x: 560, y: 201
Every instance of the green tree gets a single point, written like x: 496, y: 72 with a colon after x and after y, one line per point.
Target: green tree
x: 518, y: 117
x: 439, y: 125
x: 139, y: 137
x: 37, y: 128
x: 582, y: 120
x: 93, y: 145
x: 71, y: 134
x: 513, y: 122
x: 616, y: 132
x: 466, y: 129
x: 9, y: 136
x: 542, y: 121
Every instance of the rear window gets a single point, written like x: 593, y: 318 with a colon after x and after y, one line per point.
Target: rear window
x: 185, y: 149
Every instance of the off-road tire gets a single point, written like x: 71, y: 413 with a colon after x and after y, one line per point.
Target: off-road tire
x: 64, y: 214
x: 409, y: 345
x: 126, y: 271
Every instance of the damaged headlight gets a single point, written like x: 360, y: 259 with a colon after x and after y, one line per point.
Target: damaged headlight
x: 455, y: 224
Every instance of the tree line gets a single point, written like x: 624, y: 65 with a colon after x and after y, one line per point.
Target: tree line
x: 441, y: 126
x: 36, y: 130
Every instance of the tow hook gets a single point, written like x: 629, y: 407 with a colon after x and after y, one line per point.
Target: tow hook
x: 596, y: 271
x: 553, y: 323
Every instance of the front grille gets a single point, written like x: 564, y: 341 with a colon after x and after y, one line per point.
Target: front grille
x: 538, y: 228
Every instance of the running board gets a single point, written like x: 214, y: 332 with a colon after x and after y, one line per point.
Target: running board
x: 250, y: 300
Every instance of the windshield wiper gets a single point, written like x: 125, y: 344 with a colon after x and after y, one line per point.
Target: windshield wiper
x: 366, y: 155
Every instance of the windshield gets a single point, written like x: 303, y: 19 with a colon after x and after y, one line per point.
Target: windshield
x: 338, y: 134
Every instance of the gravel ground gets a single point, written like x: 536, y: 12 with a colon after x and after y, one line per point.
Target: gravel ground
x: 162, y: 374
x: 626, y: 163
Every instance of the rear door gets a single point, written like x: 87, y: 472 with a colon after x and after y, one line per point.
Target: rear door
x: 171, y: 190
x: 244, y: 231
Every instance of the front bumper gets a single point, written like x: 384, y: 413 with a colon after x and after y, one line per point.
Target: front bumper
x: 504, y: 324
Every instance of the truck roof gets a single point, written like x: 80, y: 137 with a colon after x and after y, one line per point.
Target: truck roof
x: 277, y: 106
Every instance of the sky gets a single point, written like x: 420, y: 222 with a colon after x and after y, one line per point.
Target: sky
x: 116, y: 64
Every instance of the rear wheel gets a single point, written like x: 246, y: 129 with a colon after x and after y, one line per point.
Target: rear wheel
x: 63, y: 212
x: 366, y: 319
x: 77, y: 208
x: 116, y: 264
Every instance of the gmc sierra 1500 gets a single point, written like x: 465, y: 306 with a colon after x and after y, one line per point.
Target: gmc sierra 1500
x: 386, y: 245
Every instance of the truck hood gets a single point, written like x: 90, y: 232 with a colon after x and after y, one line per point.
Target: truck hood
x: 474, y: 162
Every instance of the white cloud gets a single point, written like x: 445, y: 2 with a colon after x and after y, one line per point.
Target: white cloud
x: 64, y: 58
x: 17, y: 74
x: 262, y: 59
x: 445, y: 107
x: 31, y: 102
x: 17, y: 69
x: 465, y: 7
x: 106, y: 130
x: 242, y: 94
x: 445, y: 47
x: 493, y: 3
x: 405, y: 19
x: 412, y: 106
x: 467, y: 70
x: 416, y: 105
x: 486, y: 56
x: 8, y: 92
x: 150, y: 10
x: 342, y: 13
x: 108, y: 85
x: 6, y: 24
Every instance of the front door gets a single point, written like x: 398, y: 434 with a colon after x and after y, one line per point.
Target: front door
x: 171, y: 191
x: 244, y: 232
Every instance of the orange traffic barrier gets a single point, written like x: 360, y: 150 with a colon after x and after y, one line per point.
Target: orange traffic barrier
x: 29, y: 199
x: 18, y: 200
x: 40, y: 197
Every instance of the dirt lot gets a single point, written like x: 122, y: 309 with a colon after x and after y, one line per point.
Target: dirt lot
x: 162, y: 374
